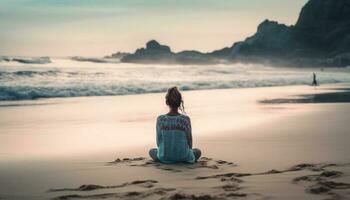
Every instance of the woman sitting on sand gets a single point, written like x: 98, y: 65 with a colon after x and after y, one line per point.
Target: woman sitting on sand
x: 174, y: 134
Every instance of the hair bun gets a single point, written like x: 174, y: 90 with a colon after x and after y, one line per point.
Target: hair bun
x: 174, y: 98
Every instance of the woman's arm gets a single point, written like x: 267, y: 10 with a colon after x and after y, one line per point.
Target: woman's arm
x: 189, y: 133
x: 158, y: 132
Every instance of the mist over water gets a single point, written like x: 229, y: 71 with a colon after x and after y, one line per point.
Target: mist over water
x: 67, y: 78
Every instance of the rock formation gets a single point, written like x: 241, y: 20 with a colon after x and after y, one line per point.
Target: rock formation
x: 320, y: 38
x: 157, y: 53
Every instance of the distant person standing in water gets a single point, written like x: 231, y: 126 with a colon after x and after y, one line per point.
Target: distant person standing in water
x: 314, y: 82
x: 174, y: 133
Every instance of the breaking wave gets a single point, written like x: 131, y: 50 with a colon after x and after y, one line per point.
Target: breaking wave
x: 70, y: 80
x: 27, y: 60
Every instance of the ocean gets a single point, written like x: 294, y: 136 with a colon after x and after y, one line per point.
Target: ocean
x: 64, y: 77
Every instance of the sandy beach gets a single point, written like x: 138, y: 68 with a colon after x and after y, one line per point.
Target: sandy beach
x: 246, y: 99
x: 286, y: 142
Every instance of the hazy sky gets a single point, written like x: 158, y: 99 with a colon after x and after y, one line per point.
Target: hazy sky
x: 100, y: 27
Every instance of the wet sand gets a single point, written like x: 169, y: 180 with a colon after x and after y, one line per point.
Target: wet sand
x: 341, y: 95
x: 256, y: 146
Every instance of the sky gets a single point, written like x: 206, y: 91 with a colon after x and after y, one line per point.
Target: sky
x: 101, y: 27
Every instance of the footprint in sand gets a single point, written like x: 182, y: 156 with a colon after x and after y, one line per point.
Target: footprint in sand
x: 203, y: 162
x: 324, y: 183
x: 155, y: 193
x: 90, y: 187
x: 228, y: 183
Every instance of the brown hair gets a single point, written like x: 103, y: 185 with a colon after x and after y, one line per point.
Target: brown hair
x: 173, y: 99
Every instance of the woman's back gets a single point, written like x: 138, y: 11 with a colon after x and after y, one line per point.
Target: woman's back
x: 174, y: 133
x: 174, y: 139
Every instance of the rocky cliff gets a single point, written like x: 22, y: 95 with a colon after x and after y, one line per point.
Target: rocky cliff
x: 321, y: 37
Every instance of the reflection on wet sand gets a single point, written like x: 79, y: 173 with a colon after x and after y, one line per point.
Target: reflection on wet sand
x: 340, y: 96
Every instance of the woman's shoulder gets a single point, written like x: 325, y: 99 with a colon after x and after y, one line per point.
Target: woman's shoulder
x: 166, y: 116
x: 186, y: 117
x: 160, y: 117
